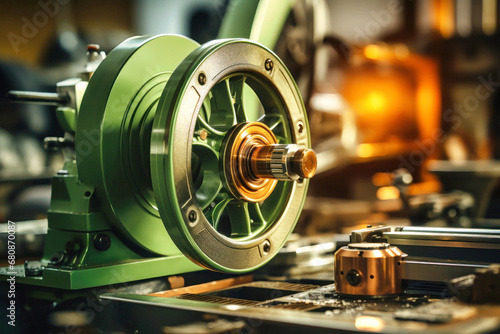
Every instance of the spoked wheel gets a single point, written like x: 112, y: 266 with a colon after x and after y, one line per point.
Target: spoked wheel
x: 230, y: 183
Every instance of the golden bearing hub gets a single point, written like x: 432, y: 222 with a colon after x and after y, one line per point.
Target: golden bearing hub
x: 253, y: 162
x: 240, y: 180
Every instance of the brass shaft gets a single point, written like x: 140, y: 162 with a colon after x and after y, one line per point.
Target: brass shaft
x: 282, y: 162
x: 254, y: 162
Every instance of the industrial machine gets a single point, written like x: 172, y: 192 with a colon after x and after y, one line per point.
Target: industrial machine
x: 172, y: 147
x: 182, y: 157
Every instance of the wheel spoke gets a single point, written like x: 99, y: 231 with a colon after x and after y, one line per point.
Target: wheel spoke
x: 277, y: 124
x: 236, y: 87
x: 258, y: 219
x: 215, y: 213
x: 241, y: 224
x: 223, y: 114
x: 223, y: 108
x: 205, y: 170
x: 204, y: 124
x: 272, y: 206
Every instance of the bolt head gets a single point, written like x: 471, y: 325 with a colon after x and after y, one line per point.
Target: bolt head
x: 102, y: 242
x: 269, y: 64
x: 266, y: 246
x: 300, y: 127
x: 192, y: 216
x: 202, y: 78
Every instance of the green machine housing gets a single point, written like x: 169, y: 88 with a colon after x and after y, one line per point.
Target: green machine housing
x: 149, y: 187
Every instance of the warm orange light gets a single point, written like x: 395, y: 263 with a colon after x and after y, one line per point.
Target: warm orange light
x: 401, y: 51
x: 386, y: 193
x: 381, y: 179
x: 365, y: 150
x: 376, y: 101
x: 372, y: 51
x: 369, y: 323
x: 444, y: 17
x: 396, y: 99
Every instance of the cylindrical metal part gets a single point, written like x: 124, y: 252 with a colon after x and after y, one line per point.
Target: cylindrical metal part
x: 54, y: 99
x: 254, y: 162
x: 283, y: 162
x: 304, y: 163
x: 368, y: 270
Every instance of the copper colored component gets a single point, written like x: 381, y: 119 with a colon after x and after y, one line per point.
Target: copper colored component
x: 253, y: 161
x: 283, y: 162
x: 203, y: 134
x: 261, y: 155
x: 304, y: 163
x: 240, y: 143
x: 368, y: 269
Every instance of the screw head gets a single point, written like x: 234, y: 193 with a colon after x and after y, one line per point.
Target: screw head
x: 266, y: 247
x: 102, y: 241
x: 353, y: 277
x: 269, y: 64
x: 300, y: 127
x: 192, y: 216
x: 202, y: 78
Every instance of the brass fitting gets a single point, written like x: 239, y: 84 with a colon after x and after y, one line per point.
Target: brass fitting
x: 253, y: 162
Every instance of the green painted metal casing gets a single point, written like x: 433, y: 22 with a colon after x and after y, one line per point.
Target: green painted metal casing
x: 105, y: 189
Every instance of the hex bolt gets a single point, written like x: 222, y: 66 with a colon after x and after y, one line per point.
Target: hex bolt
x: 102, y: 242
x: 192, y: 216
x: 269, y: 64
x: 353, y: 277
x: 202, y: 78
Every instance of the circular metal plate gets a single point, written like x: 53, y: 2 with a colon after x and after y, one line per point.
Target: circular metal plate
x: 203, y: 95
x: 113, y: 134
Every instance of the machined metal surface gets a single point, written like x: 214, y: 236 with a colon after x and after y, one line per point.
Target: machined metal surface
x: 368, y: 269
x: 283, y: 162
x: 205, y: 95
x: 437, y: 254
x: 437, y: 271
x: 298, y: 308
